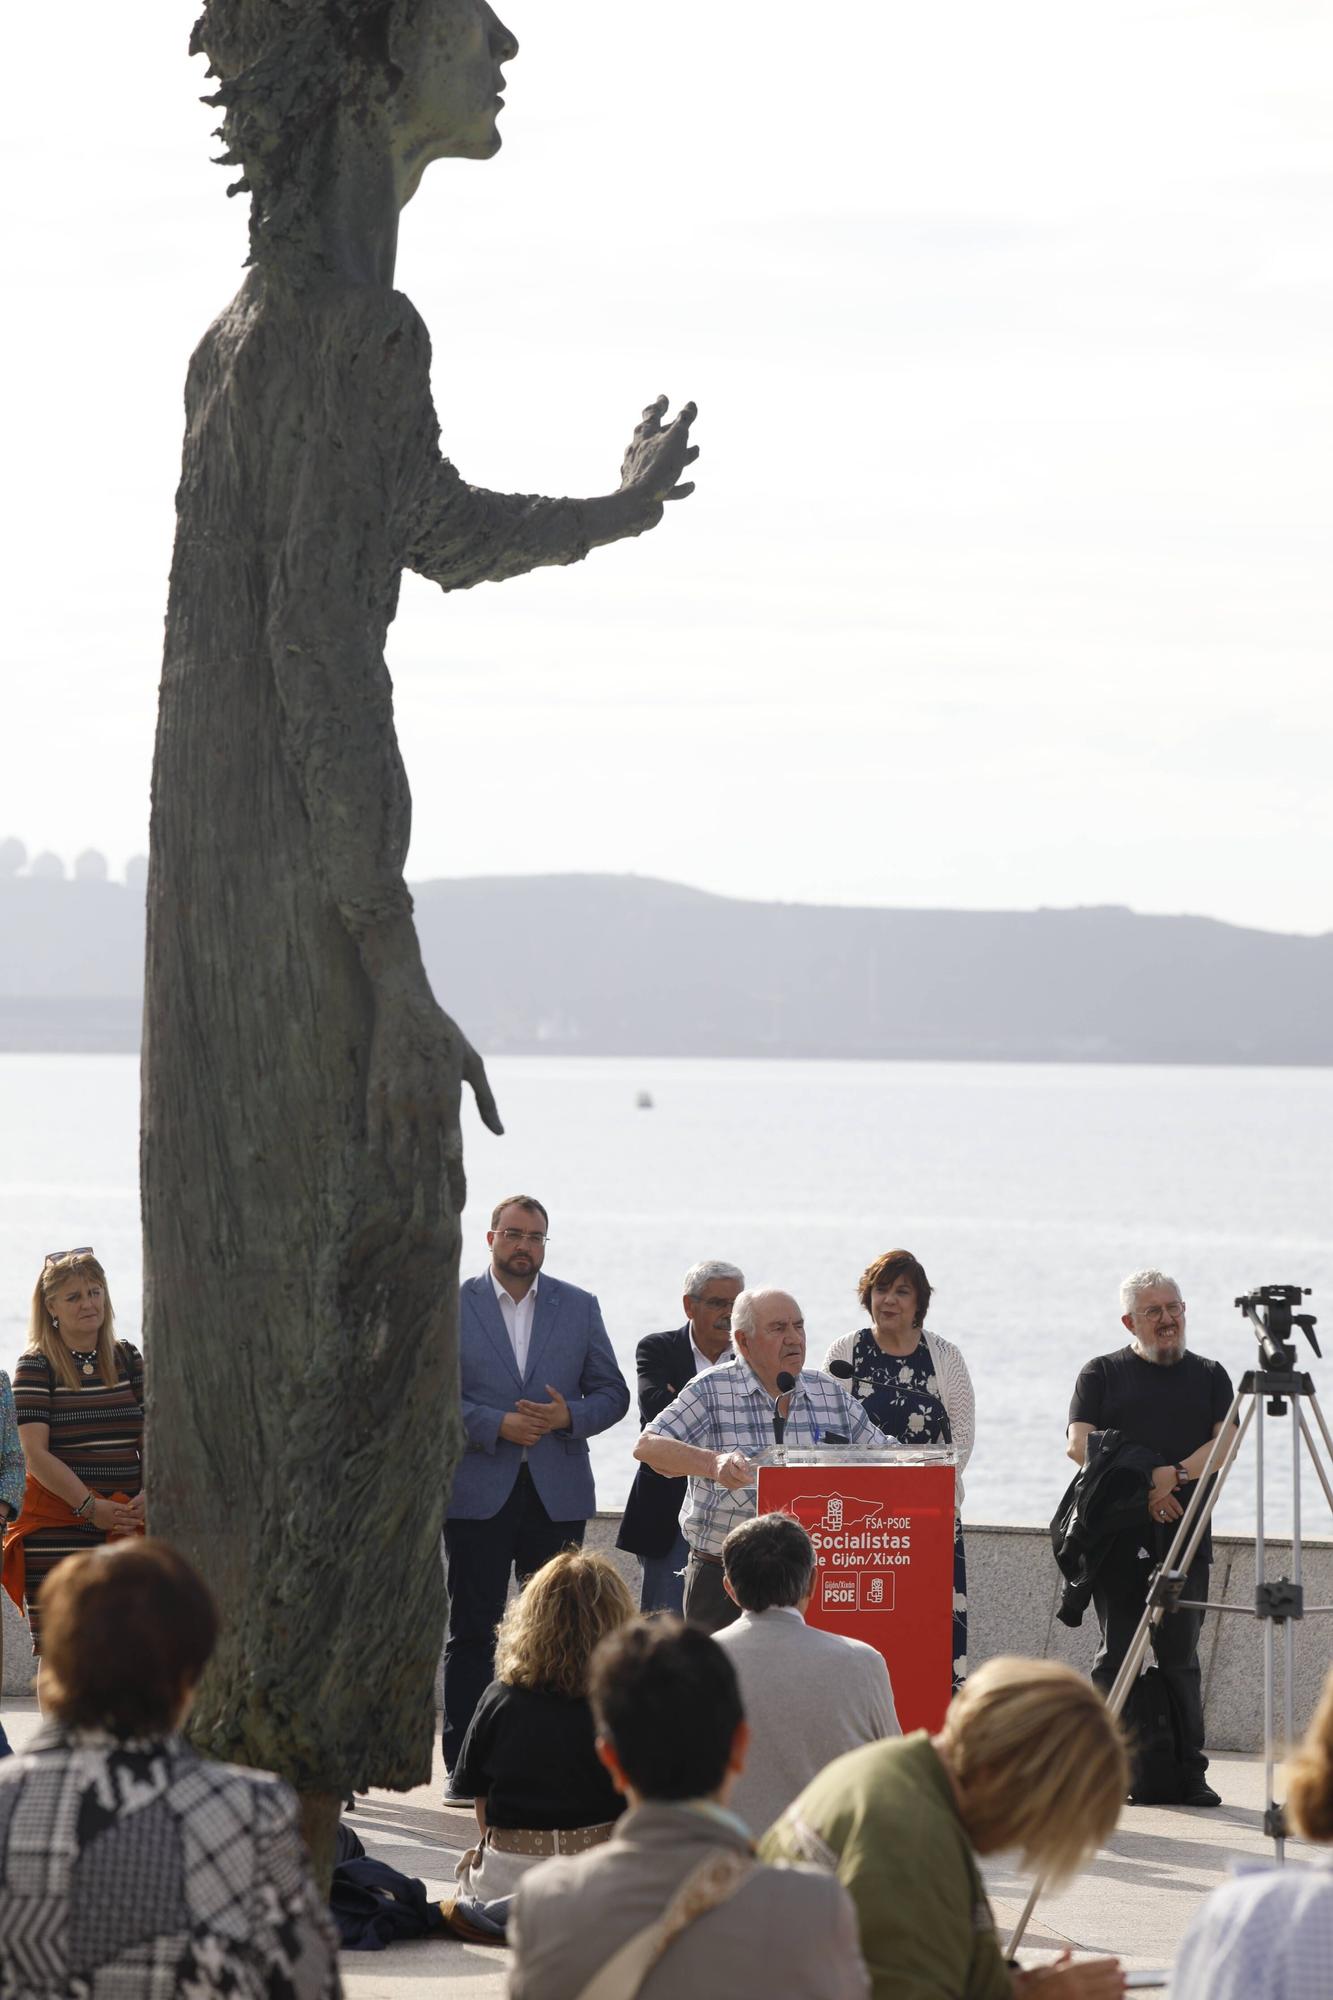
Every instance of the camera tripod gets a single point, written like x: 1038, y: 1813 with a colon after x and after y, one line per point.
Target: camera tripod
x: 1272, y: 1389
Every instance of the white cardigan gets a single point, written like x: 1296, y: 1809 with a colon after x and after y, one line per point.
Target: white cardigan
x: 955, y: 1392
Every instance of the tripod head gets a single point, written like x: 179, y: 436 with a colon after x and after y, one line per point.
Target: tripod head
x: 1269, y: 1311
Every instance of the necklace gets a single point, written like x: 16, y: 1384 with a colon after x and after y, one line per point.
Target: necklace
x: 87, y: 1362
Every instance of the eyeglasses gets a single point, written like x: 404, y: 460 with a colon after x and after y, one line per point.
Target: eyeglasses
x: 58, y: 1256
x: 1164, y: 1312
x: 534, y: 1236
x: 717, y: 1305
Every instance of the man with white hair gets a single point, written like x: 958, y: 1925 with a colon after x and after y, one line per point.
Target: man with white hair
x: 1156, y: 1394
x: 650, y: 1527
x: 711, y: 1431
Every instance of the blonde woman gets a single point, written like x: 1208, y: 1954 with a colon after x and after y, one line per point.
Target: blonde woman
x: 78, y: 1397
x: 528, y: 1759
x: 1029, y: 1759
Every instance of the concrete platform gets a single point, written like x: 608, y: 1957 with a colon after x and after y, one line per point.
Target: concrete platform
x: 1134, y: 1902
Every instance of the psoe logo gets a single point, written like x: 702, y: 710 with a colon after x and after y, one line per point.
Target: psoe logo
x: 834, y: 1513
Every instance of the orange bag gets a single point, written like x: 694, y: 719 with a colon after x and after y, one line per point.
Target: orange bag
x: 41, y: 1509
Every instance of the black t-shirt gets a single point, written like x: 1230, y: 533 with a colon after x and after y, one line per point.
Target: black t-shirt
x: 529, y: 1753
x: 1172, y: 1410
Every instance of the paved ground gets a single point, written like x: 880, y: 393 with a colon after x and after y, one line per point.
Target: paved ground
x: 1134, y: 1901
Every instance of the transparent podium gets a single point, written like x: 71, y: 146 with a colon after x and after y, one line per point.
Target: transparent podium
x: 882, y: 1524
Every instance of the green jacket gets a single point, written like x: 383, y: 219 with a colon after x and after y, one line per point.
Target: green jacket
x: 885, y: 1820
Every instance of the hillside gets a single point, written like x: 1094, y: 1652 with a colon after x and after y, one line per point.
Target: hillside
x: 620, y: 965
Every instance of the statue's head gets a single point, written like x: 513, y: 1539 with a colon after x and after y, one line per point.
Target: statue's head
x: 424, y: 75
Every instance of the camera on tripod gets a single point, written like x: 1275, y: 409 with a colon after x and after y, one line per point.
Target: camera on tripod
x: 1270, y: 1311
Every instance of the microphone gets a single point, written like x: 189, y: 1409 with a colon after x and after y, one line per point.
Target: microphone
x: 786, y: 1383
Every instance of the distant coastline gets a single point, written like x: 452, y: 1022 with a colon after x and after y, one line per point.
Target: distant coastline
x: 625, y: 965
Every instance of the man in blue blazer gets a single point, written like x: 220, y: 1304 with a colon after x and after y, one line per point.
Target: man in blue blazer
x: 537, y: 1380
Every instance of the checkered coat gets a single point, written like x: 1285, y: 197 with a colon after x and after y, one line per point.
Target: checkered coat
x: 13, y: 1467
x: 138, y: 1871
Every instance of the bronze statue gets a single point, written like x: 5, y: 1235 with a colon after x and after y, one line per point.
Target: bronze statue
x: 302, y: 1164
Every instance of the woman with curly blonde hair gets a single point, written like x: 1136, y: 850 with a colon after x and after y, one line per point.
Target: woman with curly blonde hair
x: 528, y: 1760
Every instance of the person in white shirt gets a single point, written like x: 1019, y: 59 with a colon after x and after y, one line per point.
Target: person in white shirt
x: 809, y: 1696
x: 1268, y: 1933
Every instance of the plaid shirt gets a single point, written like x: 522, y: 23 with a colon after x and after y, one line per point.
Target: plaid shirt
x: 729, y: 1409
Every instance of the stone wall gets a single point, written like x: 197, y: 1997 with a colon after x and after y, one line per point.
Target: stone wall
x: 1013, y: 1588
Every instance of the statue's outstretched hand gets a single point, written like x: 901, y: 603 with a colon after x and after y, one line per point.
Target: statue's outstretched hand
x: 658, y: 454
x: 419, y: 1060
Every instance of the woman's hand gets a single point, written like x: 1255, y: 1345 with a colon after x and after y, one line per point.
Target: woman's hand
x: 1090, y: 1979
x: 112, y: 1518
x: 139, y: 1508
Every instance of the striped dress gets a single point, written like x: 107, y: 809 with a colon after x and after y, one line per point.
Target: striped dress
x: 98, y: 1433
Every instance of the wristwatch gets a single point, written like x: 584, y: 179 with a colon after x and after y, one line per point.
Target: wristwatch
x: 1183, y: 1476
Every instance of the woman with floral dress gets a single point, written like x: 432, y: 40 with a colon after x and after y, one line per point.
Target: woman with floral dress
x: 915, y: 1387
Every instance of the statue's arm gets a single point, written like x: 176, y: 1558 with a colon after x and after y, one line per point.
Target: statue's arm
x: 337, y: 719
x: 466, y: 535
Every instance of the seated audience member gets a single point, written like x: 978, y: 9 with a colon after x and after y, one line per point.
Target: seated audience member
x: 675, y: 1903
x: 1268, y: 1933
x: 809, y: 1696
x: 129, y: 1865
x: 528, y: 1758
x: 1028, y: 1759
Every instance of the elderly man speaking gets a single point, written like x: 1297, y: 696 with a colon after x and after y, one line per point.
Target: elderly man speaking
x: 721, y: 1418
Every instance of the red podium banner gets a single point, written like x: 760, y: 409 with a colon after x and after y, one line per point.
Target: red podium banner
x: 882, y: 1526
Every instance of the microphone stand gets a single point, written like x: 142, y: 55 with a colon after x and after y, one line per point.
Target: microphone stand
x: 786, y: 1383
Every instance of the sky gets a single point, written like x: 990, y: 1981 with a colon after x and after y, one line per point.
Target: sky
x: 1006, y: 580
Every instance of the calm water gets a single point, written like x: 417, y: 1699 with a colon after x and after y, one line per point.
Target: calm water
x: 1026, y: 1190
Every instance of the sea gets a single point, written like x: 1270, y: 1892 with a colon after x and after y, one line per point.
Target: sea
x: 1027, y: 1191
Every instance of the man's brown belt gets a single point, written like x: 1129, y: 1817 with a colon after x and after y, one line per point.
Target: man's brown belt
x: 544, y: 1840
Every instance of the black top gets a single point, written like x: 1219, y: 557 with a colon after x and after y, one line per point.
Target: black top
x: 530, y: 1755
x: 1173, y: 1410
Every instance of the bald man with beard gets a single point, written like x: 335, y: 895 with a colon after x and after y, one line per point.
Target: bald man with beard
x: 1159, y: 1395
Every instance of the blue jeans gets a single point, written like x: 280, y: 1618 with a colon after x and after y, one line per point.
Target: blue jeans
x: 663, y: 1589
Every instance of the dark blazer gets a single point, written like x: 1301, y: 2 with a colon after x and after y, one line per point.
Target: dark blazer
x: 570, y: 1350
x: 665, y: 1362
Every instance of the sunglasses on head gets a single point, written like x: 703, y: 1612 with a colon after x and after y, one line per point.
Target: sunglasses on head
x: 59, y: 1256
